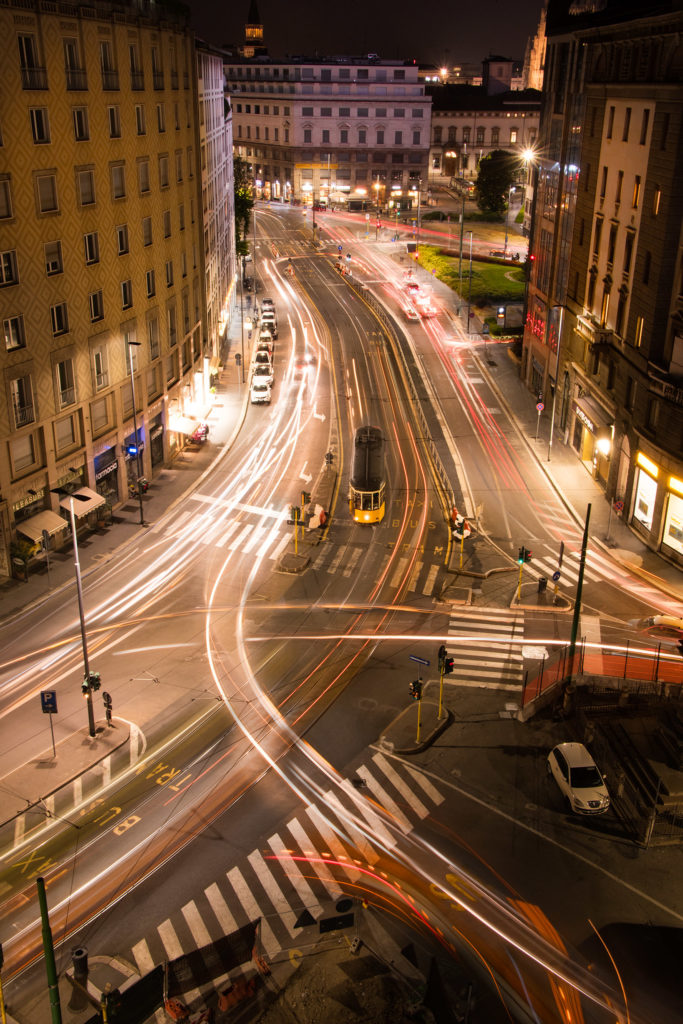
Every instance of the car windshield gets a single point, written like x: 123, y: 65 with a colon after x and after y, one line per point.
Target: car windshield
x: 586, y: 777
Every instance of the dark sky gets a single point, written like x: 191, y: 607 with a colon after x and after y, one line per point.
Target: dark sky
x: 464, y: 30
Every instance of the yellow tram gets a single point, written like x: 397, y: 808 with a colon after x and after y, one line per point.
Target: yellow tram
x: 367, y: 486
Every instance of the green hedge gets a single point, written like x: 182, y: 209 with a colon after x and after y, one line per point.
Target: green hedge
x: 492, y: 284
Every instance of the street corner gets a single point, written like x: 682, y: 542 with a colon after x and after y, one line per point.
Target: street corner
x: 540, y: 601
x: 292, y: 564
x: 403, y: 736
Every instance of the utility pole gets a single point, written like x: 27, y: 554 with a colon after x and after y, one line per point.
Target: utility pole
x: 469, y: 289
x: 49, y: 950
x: 462, y: 225
x: 579, y: 588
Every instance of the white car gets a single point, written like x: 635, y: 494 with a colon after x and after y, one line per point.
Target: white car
x: 263, y: 373
x: 269, y: 323
x: 259, y: 391
x: 267, y: 304
x: 578, y: 778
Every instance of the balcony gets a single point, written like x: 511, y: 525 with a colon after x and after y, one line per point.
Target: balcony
x: 137, y: 81
x: 76, y: 79
x: 23, y: 414
x: 599, y: 338
x: 110, y: 80
x: 34, y: 78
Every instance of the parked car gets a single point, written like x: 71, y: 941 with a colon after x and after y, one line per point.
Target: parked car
x: 579, y: 778
x: 262, y: 357
x: 411, y: 313
x: 270, y: 323
x: 263, y: 373
x: 265, y: 344
x: 260, y: 391
x: 267, y: 304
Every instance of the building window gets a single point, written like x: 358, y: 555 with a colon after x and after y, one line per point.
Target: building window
x: 161, y: 118
x: 603, y: 183
x: 80, y: 121
x: 66, y: 384
x: 5, y: 198
x: 118, y: 181
x: 126, y: 294
x: 181, y: 216
x: 620, y: 183
x: 611, y: 245
x: 179, y: 165
x: 399, y: 112
x: 40, y: 127
x: 166, y: 216
x: 122, y: 239
x: 169, y: 273
x: 610, y: 123
x: 8, y: 268
x: 143, y: 176
x: 86, y: 187
x: 163, y: 171
x: 99, y: 358
x: 636, y: 192
x: 627, y: 124
x: 13, y: 329
x: 647, y: 262
x: 150, y: 283
x: 362, y: 136
x: 513, y: 136
x: 153, y: 338
x: 53, y: 258
x: 438, y: 131
x: 597, y: 235
x: 656, y: 200
x: 172, y: 330
x: 22, y: 401
x: 307, y: 136
x: 46, y: 186
x: 59, y: 316
x: 325, y: 135
x: 343, y: 136
x: 114, y: 117
x: 644, y: 125
x: 416, y: 138
x: 628, y: 251
x: 380, y: 137
x: 638, y: 336
x: 91, y: 244
x: 146, y: 230
x: 96, y: 306
x: 621, y: 311
x: 140, y: 122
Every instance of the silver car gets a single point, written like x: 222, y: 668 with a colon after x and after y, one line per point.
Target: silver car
x: 578, y: 778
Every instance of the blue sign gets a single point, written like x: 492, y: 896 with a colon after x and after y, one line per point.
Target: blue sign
x: 420, y: 661
x: 48, y: 702
x: 556, y: 575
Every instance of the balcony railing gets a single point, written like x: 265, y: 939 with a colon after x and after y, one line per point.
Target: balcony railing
x: 67, y: 396
x: 101, y: 380
x: 34, y: 78
x: 76, y: 79
x: 23, y: 414
x: 599, y: 338
x: 110, y: 79
x: 137, y: 81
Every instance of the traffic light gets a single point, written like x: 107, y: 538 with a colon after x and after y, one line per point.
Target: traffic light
x: 106, y: 697
x: 520, y: 556
x: 448, y: 666
x: 94, y: 681
x: 305, y: 497
x: 527, y: 554
x: 85, y: 687
x: 415, y: 689
x: 442, y: 655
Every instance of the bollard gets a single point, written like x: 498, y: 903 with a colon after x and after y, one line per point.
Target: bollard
x: 79, y: 992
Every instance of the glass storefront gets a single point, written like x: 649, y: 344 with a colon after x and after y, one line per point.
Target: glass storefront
x: 156, y: 441
x: 106, y: 475
x: 673, y: 524
x: 646, y: 494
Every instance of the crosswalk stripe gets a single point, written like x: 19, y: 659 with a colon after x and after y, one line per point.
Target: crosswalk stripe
x: 361, y: 805
x: 254, y: 539
x: 351, y: 564
x: 236, y: 544
x: 293, y: 871
x: 309, y: 850
x: 398, y: 572
x: 277, y: 551
x: 145, y: 963
x: 334, y: 564
x: 171, y: 944
x: 417, y: 569
x: 272, y: 890
x: 401, y: 785
x: 220, y: 909
x: 385, y: 799
x: 428, y: 588
x: 195, y: 923
x: 484, y: 684
x: 431, y: 790
x: 337, y: 848
x: 355, y: 835
x: 223, y: 540
x: 253, y: 911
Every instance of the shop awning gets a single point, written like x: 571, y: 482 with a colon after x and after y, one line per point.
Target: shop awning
x: 81, y: 508
x: 47, y: 520
x: 182, y: 425
x: 594, y: 416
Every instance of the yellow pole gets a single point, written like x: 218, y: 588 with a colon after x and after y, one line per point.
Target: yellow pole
x: 296, y: 531
x: 440, y: 690
x: 419, y: 717
x: 3, y: 1012
x: 519, y: 586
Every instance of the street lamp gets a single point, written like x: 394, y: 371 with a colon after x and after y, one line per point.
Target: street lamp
x: 136, y: 344
x: 87, y: 681
x: 377, y: 187
x: 469, y: 289
x: 507, y: 216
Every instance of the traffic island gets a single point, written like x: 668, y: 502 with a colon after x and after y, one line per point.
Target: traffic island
x: 402, y: 735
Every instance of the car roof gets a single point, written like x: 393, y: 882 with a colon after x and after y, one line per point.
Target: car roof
x: 575, y: 754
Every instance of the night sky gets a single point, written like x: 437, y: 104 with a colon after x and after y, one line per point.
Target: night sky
x: 464, y: 30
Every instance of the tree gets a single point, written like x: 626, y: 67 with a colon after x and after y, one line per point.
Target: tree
x: 497, y: 171
x: 244, y: 204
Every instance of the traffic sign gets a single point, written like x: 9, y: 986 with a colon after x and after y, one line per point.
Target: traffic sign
x: 485, y: 329
x: 48, y: 702
x: 556, y: 575
x: 618, y: 506
x: 540, y: 406
x: 420, y: 661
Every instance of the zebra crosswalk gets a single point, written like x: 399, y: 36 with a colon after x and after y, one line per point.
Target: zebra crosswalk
x: 304, y: 866
x: 486, y: 648
x: 343, y: 560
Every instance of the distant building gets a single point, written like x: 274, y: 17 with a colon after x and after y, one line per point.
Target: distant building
x: 351, y: 131
x: 603, y: 341
x: 534, y: 58
x: 253, y: 45
x: 468, y: 122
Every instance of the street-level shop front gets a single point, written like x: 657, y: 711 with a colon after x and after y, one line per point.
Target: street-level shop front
x: 657, y: 506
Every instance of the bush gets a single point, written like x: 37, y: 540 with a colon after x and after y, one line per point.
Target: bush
x: 492, y: 284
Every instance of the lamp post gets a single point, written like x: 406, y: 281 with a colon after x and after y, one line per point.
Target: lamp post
x: 469, y: 288
x: 507, y: 217
x: 136, y: 344
x: 87, y: 688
